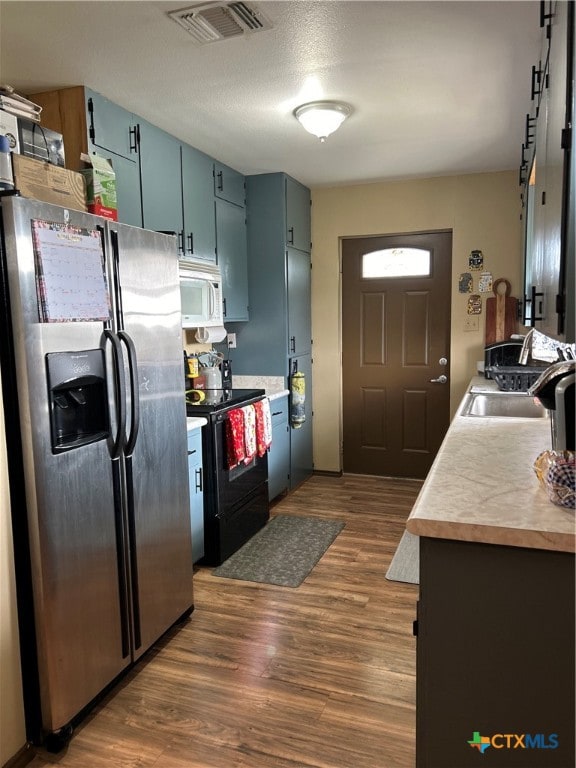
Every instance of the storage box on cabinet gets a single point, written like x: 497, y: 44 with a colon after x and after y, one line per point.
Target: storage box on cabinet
x: 195, y: 479
x: 279, y: 453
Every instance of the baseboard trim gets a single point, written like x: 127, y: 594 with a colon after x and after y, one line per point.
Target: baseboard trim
x: 327, y: 473
x: 21, y: 758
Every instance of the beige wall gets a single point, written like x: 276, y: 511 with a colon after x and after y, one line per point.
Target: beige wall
x: 483, y: 212
x: 12, y: 731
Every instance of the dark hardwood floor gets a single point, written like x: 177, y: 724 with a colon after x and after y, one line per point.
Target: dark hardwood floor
x: 262, y: 676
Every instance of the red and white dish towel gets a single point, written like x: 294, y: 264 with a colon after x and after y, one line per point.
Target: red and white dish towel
x: 263, y: 426
x: 248, y: 432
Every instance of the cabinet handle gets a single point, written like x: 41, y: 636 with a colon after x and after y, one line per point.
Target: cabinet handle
x: 291, y: 236
x: 536, y: 89
x: 530, y: 124
x: 134, y: 139
x: 543, y: 14
x: 224, y: 306
x: 181, y: 241
x: 292, y: 343
x: 91, y: 129
x: 532, y: 301
x: 220, y: 181
x: 199, y: 479
x: 191, y: 242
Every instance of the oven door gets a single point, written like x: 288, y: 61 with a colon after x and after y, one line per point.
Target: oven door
x: 233, y: 485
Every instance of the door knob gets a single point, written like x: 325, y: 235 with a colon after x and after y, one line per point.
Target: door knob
x: 440, y: 380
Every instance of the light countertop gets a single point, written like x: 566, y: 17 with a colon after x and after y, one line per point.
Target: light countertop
x: 482, y: 486
x: 195, y: 422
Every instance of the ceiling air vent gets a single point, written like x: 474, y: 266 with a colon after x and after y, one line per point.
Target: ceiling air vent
x: 209, y: 22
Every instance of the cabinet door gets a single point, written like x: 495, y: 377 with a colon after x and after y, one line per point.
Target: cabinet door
x: 301, y: 455
x: 557, y: 109
x: 232, y: 259
x: 198, y: 202
x: 195, y: 479
x: 297, y: 215
x: 279, y: 451
x: 229, y: 184
x: 161, y: 180
x: 127, y: 190
x: 110, y: 127
x: 299, y: 302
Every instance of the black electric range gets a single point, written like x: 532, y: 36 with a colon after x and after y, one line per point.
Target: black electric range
x: 217, y: 400
x: 235, y: 499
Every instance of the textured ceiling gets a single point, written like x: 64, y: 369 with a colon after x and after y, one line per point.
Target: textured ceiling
x: 437, y: 87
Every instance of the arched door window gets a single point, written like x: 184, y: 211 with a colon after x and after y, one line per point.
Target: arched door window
x: 396, y: 262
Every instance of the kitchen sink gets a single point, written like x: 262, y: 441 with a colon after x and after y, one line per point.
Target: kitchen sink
x: 517, y: 405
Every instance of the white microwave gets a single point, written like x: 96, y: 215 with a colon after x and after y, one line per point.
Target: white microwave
x: 201, y: 295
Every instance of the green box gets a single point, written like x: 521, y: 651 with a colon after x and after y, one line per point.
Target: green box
x: 100, y: 186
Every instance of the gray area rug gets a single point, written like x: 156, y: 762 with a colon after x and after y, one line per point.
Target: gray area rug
x: 283, y: 552
x: 405, y: 565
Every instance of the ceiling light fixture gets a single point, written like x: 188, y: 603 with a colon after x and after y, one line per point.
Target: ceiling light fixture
x: 322, y: 118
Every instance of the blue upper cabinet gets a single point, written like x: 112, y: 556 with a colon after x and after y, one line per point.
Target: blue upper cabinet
x: 229, y: 184
x: 110, y: 127
x: 127, y: 190
x: 160, y: 175
x: 299, y: 298
x: 279, y: 280
x: 297, y: 215
x: 198, y: 203
x: 232, y: 259
x: 113, y: 133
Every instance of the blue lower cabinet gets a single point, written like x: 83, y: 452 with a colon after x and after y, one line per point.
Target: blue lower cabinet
x: 196, y: 482
x: 279, y: 452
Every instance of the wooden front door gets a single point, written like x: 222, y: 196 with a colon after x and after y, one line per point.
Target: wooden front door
x: 395, y: 352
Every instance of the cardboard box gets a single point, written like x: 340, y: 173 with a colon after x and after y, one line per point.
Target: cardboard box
x: 9, y: 128
x: 100, y: 186
x: 49, y: 183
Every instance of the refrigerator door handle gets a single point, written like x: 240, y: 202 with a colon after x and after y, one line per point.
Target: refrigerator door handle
x: 134, y: 393
x: 122, y: 559
x: 120, y: 399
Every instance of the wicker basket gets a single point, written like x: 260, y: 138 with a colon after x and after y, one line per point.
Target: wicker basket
x: 515, y: 378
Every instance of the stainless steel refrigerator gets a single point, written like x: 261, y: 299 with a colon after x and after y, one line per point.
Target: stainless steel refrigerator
x: 93, y: 388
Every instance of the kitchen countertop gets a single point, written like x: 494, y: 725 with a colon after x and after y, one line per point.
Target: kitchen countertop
x: 195, y: 422
x: 482, y: 486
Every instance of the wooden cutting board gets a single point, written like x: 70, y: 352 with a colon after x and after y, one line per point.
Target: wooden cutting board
x: 501, y: 312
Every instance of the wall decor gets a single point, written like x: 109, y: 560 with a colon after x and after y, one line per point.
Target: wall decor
x: 475, y: 260
x: 485, y: 282
x: 475, y: 304
x: 465, y: 283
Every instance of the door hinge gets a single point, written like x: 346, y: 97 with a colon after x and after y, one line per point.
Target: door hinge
x: 566, y: 140
x: 415, y: 627
x: 560, y: 304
